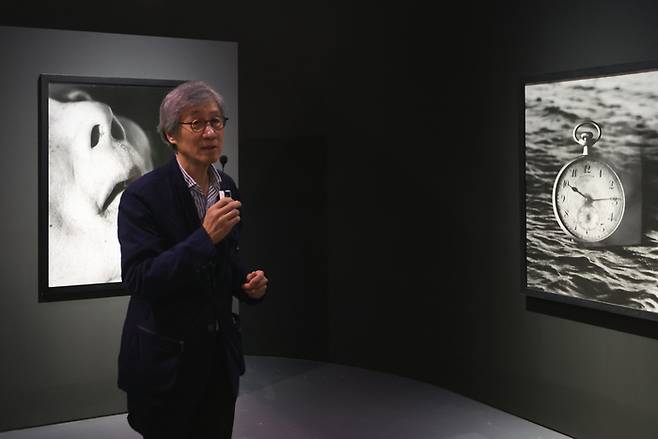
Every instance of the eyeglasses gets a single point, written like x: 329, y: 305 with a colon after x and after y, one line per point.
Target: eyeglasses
x: 197, y: 125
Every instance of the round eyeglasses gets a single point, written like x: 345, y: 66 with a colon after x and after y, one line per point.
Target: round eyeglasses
x: 198, y: 125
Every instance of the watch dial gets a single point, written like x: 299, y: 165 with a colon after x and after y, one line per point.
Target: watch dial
x: 588, y: 199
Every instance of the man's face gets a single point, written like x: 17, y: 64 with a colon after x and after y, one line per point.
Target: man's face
x: 205, y: 147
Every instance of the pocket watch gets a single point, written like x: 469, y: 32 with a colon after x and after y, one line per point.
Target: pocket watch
x: 588, y: 196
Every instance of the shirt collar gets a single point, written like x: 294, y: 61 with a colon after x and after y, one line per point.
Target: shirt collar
x: 213, y: 174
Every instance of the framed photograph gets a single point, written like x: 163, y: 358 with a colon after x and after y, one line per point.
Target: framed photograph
x: 589, y: 153
x: 96, y: 135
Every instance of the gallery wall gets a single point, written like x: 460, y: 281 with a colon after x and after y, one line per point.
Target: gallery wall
x: 421, y: 127
x: 284, y: 220
x: 59, y: 359
x: 434, y: 269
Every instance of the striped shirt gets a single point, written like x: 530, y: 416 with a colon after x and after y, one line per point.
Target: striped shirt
x: 202, y: 202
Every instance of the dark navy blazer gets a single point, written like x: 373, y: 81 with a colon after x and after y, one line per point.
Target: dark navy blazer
x: 180, y: 283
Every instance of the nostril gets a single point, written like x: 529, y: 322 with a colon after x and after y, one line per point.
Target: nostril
x: 117, y: 130
x: 95, y: 135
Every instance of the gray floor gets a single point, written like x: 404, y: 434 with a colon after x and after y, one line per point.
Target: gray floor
x: 283, y: 398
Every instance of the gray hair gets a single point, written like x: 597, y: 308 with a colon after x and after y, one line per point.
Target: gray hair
x: 186, y: 95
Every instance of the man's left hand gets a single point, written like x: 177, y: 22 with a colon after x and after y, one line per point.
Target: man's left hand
x: 256, y: 285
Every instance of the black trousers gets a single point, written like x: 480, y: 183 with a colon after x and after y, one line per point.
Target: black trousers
x: 182, y: 413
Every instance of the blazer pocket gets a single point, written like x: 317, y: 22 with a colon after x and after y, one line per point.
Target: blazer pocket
x: 158, y: 361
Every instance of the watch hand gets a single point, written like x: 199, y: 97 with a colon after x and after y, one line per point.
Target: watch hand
x: 575, y: 189
x: 602, y: 199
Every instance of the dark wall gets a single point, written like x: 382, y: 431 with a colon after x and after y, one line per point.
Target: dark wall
x: 285, y: 232
x: 429, y: 259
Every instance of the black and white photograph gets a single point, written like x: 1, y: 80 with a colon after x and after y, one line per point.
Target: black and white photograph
x: 97, y: 135
x: 591, y: 177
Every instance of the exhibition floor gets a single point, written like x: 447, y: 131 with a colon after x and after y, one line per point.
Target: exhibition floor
x: 298, y: 399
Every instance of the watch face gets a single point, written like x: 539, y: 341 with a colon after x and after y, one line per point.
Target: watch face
x: 588, y: 199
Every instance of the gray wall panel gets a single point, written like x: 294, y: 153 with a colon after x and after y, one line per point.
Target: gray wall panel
x: 58, y: 360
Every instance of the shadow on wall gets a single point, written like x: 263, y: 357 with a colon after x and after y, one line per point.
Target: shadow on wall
x: 605, y: 319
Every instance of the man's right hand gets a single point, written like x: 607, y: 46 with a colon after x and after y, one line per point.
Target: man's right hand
x: 220, y: 218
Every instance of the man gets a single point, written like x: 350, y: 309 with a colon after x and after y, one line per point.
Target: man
x: 181, y: 354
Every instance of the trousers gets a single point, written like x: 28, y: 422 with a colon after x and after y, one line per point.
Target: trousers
x: 181, y: 416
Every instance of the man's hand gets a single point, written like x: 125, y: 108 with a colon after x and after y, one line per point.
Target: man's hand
x: 256, y: 285
x: 220, y: 218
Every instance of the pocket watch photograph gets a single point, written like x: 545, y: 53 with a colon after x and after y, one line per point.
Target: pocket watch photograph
x: 591, y: 166
x: 589, y: 200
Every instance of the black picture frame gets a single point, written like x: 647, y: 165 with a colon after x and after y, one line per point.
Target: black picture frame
x: 618, y: 274
x: 96, y: 134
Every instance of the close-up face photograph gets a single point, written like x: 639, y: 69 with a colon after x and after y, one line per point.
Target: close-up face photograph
x: 100, y: 137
